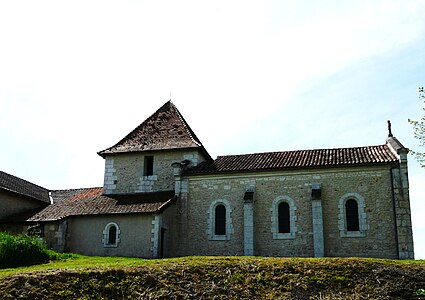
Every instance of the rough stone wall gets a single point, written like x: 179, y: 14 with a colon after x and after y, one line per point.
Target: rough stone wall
x: 124, y: 173
x: 201, y: 194
x: 371, y: 183
x: 55, y: 235
x: 403, y: 213
x: 400, y: 185
x: 374, y: 185
x: 180, y: 231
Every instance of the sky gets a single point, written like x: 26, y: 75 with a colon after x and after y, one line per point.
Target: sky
x: 248, y: 76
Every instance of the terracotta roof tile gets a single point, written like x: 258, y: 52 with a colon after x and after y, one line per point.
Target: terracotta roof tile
x: 59, y: 195
x: 165, y: 129
x: 91, y: 201
x: 20, y: 186
x: 299, y: 159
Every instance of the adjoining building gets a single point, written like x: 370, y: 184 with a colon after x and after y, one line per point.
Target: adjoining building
x: 164, y: 196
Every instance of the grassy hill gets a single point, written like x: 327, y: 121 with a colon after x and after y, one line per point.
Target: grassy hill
x: 80, y: 277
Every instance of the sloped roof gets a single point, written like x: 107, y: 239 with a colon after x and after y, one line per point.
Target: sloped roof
x: 91, y: 201
x: 165, y: 129
x: 59, y: 195
x: 22, y: 187
x: 299, y: 159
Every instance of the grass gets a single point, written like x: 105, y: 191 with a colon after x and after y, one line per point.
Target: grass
x: 86, y: 277
x: 78, y: 262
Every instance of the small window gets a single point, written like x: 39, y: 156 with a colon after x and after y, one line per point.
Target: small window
x: 111, y: 235
x: 220, y: 220
x: 148, y: 167
x: 352, y: 215
x: 284, y: 218
x: 220, y: 227
x: 352, y: 221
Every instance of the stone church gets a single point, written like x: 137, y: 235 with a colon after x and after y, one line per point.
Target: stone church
x: 164, y: 196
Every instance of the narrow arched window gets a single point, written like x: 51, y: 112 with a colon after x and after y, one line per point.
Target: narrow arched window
x: 220, y: 220
x: 352, y: 220
x: 352, y: 215
x: 220, y: 227
x: 112, y: 235
x: 284, y: 218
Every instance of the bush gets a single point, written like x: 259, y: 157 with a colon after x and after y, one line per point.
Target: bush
x: 21, y: 250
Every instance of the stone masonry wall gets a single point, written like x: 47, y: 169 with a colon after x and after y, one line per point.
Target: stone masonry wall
x: 373, y: 184
x: 124, y: 172
x: 403, y: 213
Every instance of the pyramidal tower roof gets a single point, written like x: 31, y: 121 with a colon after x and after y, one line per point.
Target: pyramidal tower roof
x: 164, y: 130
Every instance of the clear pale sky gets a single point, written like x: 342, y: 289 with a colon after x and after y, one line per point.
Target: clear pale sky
x: 248, y: 76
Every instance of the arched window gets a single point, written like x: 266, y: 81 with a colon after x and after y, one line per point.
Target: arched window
x: 111, y: 235
x: 220, y: 227
x: 283, y: 218
x: 220, y: 220
x: 352, y: 215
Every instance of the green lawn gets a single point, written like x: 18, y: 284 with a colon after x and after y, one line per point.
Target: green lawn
x: 79, y: 262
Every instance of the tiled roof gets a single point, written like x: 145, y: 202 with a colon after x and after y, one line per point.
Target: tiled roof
x: 22, y: 187
x: 91, y: 201
x: 299, y: 159
x: 165, y: 129
x: 59, y: 195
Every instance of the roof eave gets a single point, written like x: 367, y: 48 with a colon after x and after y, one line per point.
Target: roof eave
x: 25, y: 195
x: 202, y: 149
x: 159, y: 210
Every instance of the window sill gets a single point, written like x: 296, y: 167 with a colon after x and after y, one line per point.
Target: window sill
x: 110, y: 246
x: 352, y: 234
x: 284, y: 236
x: 219, y: 238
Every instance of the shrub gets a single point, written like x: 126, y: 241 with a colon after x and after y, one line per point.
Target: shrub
x: 21, y: 250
